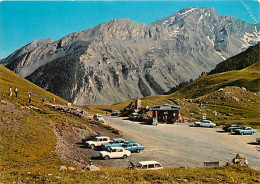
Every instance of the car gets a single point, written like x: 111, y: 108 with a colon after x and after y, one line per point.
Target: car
x: 149, y: 165
x: 91, y: 137
x: 115, y: 152
x: 98, y: 141
x: 205, y: 123
x: 245, y: 130
x: 134, y: 116
x: 116, y: 142
x: 258, y: 140
x: 231, y: 127
x: 133, y: 147
x: 114, y: 112
x: 99, y: 118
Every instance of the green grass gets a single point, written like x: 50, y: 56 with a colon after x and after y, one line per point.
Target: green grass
x: 231, y: 174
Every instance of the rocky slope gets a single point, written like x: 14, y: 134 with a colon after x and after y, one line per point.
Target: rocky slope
x: 122, y: 59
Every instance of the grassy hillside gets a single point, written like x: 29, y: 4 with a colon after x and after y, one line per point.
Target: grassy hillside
x: 243, y: 107
x: 240, y: 61
x: 248, y: 78
x: 36, y: 138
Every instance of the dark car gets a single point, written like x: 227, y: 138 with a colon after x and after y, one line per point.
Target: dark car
x: 114, y: 113
x: 91, y: 137
x: 231, y: 127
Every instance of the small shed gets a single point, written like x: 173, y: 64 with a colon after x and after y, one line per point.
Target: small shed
x: 166, y: 113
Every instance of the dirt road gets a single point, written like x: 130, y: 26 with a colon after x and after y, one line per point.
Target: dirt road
x: 182, y: 145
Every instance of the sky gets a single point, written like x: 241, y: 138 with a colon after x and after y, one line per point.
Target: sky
x: 24, y: 21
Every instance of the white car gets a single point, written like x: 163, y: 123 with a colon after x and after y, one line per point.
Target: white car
x: 115, y: 152
x: 99, y: 118
x: 98, y: 141
x: 205, y: 123
x: 149, y: 165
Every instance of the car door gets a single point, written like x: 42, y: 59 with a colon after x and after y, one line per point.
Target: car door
x: 113, y: 153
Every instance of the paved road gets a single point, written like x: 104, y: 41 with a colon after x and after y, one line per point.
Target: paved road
x: 182, y: 145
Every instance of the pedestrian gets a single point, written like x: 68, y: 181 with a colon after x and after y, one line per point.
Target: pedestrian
x: 29, y: 98
x: 16, y: 92
x: 10, y: 91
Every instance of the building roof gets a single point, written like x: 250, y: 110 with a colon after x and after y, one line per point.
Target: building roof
x: 165, y: 107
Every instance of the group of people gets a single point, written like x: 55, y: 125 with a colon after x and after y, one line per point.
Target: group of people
x: 11, y: 92
x: 16, y: 93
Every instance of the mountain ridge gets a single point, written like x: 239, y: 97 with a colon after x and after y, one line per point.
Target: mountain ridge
x: 122, y: 59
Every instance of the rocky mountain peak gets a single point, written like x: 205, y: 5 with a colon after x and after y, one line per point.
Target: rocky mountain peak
x: 122, y: 59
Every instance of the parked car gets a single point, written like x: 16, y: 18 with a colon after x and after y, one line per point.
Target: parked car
x: 114, y: 113
x: 98, y: 141
x: 99, y: 118
x: 205, y: 123
x: 149, y: 165
x: 245, y: 130
x: 134, y: 116
x: 91, y: 137
x: 258, y: 140
x: 133, y: 147
x: 115, y: 152
x: 231, y: 127
x: 116, y: 142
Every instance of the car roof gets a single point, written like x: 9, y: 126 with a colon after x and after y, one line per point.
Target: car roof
x: 148, y: 162
x: 103, y: 137
x: 117, y: 148
x: 131, y: 142
x: 118, y: 139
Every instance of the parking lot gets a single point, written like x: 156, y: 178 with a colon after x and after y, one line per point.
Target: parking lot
x: 182, y: 145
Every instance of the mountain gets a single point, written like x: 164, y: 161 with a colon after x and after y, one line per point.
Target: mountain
x: 240, y: 61
x: 226, y: 97
x: 122, y: 59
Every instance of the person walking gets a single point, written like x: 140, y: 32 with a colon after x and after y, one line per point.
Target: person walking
x: 10, y: 91
x: 29, y: 98
x: 16, y: 92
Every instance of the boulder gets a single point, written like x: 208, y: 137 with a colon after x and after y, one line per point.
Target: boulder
x: 63, y: 168
x: 241, y: 160
x: 91, y: 167
x: 71, y: 168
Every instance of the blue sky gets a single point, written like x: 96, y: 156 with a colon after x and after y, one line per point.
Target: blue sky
x: 23, y: 22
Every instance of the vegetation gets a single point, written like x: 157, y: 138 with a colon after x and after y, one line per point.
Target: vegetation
x: 240, y: 61
x: 27, y: 130
x: 231, y: 174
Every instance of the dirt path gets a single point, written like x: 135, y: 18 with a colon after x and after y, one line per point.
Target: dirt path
x: 181, y: 145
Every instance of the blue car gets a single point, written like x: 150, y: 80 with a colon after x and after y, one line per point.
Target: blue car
x: 245, y: 130
x: 116, y: 142
x: 133, y: 147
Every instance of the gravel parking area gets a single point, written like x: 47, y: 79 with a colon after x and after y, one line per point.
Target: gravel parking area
x: 183, y: 145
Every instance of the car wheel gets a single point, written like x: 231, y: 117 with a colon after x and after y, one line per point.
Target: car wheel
x: 242, y: 133
x: 211, y: 127
x: 125, y: 156
x: 138, y: 151
x: 106, y: 157
x: 108, y: 148
x: 92, y: 146
x: 197, y: 125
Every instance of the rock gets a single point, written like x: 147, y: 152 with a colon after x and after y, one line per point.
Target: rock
x: 241, y: 160
x: 71, y: 168
x: 91, y: 168
x: 63, y: 168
